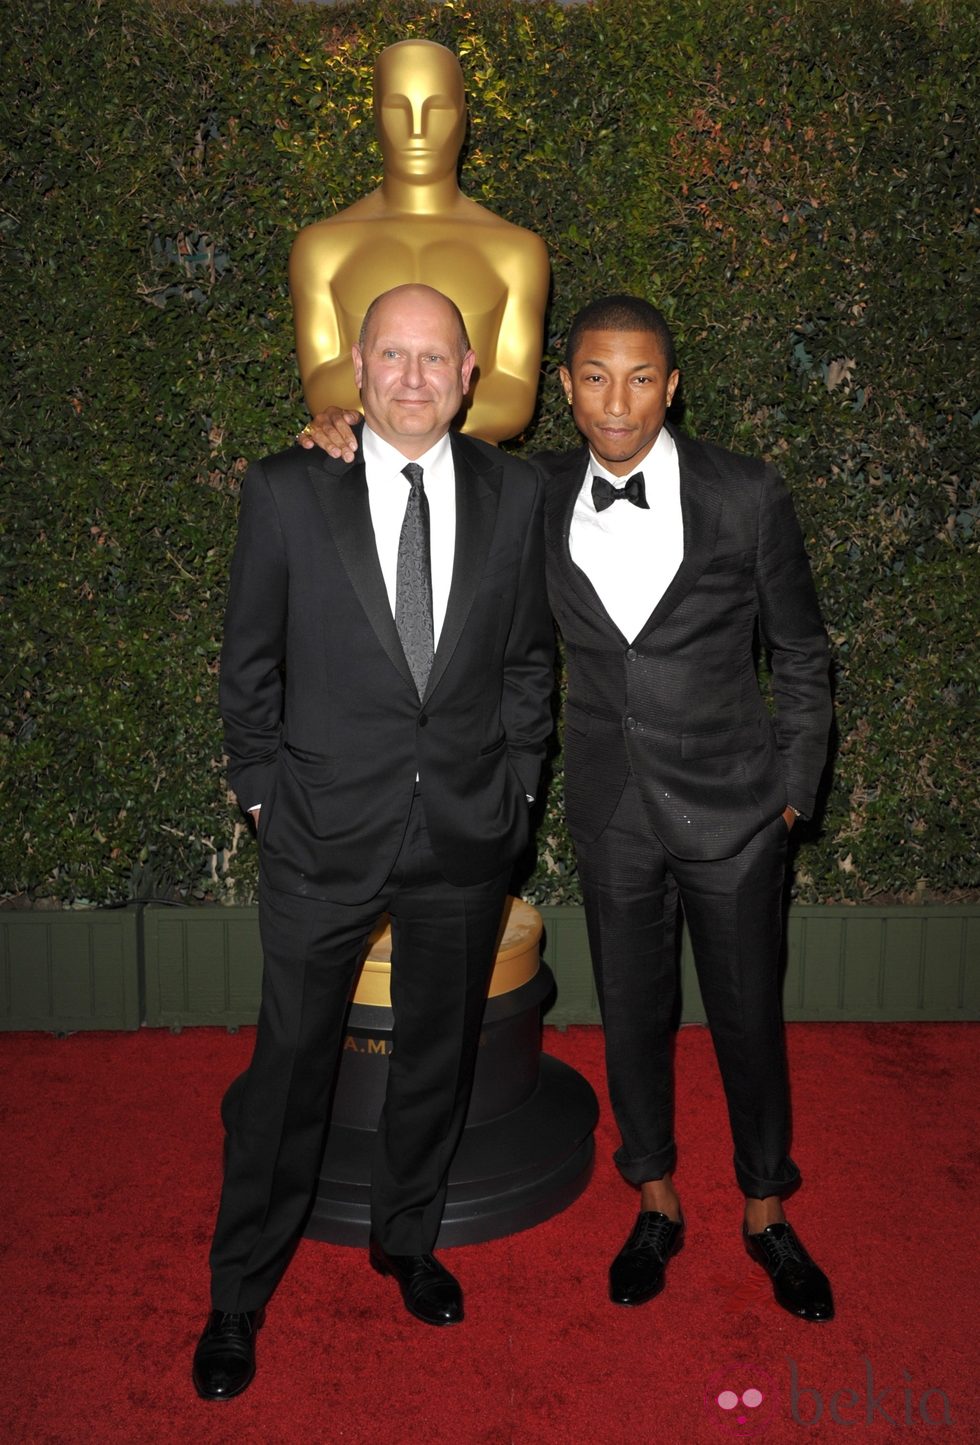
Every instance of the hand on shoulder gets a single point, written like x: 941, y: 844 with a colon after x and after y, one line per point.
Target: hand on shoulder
x: 331, y: 430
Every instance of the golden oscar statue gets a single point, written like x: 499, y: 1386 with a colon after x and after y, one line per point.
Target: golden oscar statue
x: 418, y: 226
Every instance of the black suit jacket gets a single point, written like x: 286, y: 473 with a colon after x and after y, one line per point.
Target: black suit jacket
x: 323, y: 723
x: 680, y: 705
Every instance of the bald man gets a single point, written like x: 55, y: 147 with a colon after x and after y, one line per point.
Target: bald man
x: 385, y: 686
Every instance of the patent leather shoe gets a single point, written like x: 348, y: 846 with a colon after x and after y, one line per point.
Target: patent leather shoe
x: 637, y: 1273
x: 430, y: 1292
x: 224, y: 1361
x: 798, y: 1284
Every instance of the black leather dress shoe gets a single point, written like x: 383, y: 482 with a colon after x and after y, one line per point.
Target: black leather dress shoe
x: 224, y: 1361
x: 637, y: 1272
x: 430, y: 1292
x: 799, y: 1285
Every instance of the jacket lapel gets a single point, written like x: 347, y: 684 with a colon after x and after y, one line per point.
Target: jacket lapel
x: 341, y: 490
x: 700, y: 511
x: 477, y: 498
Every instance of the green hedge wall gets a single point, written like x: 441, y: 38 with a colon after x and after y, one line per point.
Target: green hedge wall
x: 792, y: 182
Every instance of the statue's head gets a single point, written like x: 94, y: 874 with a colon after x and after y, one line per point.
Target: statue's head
x: 419, y: 110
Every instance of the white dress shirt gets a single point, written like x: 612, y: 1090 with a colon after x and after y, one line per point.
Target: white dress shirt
x: 388, y: 496
x: 629, y: 554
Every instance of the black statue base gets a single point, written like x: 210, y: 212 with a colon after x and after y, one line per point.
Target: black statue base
x: 508, y: 1174
x: 526, y: 1151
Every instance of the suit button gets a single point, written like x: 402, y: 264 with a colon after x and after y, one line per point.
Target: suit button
x: 630, y: 723
x: 423, y: 719
x: 631, y: 654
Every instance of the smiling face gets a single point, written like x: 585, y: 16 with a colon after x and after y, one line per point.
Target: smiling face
x: 620, y: 387
x: 412, y: 368
x: 419, y: 110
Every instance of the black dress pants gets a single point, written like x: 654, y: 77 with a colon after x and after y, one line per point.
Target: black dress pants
x: 733, y: 907
x: 443, y: 946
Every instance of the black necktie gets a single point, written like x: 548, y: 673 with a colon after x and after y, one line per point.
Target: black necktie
x: 604, y: 493
x: 413, y: 581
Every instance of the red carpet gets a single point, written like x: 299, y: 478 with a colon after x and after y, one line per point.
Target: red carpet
x: 111, y: 1152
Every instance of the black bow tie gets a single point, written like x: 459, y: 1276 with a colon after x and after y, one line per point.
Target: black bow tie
x: 604, y: 493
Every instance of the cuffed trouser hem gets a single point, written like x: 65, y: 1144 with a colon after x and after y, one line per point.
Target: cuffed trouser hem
x: 651, y: 1166
x: 755, y: 1187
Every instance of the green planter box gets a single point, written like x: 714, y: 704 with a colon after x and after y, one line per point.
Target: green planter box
x: 900, y: 962
x: 202, y: 966
x: 65, y: 970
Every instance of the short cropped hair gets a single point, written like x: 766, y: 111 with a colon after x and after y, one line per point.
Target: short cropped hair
x: 464, y: 340
x: 621, y: 313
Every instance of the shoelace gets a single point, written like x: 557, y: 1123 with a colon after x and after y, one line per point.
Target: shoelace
x: 427, y: 1269
x: 655, y: 1233
x: 233, y: 1324
x: 782, y: 1249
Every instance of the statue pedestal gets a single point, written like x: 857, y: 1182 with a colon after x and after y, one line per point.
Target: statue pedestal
x: 527, y: 1149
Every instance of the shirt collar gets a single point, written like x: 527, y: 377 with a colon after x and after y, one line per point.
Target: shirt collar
x: 381, y: 454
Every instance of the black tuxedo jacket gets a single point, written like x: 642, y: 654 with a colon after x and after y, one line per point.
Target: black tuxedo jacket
x: 680, y: 704
x: 323, y: 723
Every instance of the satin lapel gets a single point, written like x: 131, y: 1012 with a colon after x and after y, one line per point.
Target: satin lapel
x: 477, y: 498
x: 700, y: 511
x: 341, y: 490
x: 566, y: 483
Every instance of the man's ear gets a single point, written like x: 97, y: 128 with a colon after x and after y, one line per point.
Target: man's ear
x: 566, y: 381
x: 466, y: 370
x: 358, y: 361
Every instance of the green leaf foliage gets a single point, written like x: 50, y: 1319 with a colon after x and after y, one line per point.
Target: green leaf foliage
x: 793, y: 183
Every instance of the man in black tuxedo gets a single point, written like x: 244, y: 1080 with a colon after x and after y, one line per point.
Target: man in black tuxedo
x: 666, y: 559
x: 385, y: 685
